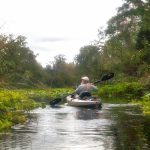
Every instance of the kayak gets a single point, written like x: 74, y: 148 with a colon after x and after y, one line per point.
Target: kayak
x: 90, y: 102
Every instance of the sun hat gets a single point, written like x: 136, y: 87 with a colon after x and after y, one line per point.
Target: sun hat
x: 85, y: 78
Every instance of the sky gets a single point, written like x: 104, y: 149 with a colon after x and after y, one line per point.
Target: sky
x: 54, y: 27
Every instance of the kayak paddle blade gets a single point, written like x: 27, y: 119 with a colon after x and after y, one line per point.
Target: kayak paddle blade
x: 55, y: 101
x: 107, y: 76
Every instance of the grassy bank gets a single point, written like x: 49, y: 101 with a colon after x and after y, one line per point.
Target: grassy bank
x: 131, y: 92
x: 14, y: 104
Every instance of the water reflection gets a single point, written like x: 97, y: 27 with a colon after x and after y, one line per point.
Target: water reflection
x: 68, y: 128
x: 87, y: 114
x: 128, y: 128
x: 13, y: 141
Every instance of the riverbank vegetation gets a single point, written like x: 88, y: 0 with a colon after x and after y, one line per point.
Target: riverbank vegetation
x: 127, y: 92
x: 144, y: 103
x: 123, y: 47
x: 15, y: 104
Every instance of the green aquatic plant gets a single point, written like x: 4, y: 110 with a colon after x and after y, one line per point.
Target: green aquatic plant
x: 144, y: 103
x: 15, y: 104
x: 46, y: 95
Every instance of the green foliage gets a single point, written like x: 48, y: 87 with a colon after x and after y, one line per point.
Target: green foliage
x: 18, y: 64
x: 127, y: 52
x: 125, y: 90
x: 126, y: 49
x: 88, y: 61
x: 144, y: 104
x: 47, y: 95
x: 14, y: 104
x: 60, y: 74
x: 4, y: 124
x: 123, y: 47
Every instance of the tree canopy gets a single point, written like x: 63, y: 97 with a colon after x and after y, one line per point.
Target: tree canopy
x: 123, y: 47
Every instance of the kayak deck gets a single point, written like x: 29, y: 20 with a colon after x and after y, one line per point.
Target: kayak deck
x: 88, y: 103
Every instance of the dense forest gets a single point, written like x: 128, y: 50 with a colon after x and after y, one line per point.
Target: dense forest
x: 123, y: 48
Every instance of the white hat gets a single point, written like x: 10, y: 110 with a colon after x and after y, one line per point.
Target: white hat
x: 85, y: 78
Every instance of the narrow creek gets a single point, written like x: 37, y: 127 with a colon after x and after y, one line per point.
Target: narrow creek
x: 114, y: 127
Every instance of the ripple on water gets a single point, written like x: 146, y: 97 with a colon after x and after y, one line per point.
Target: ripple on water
x: 65, y: 128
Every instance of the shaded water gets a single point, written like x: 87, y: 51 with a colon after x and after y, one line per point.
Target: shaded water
x: 115, y: 127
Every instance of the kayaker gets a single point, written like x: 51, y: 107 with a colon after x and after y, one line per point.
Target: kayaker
x: 85, y: 88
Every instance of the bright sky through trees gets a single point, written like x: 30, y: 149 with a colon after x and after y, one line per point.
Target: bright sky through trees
x: 55, y: 27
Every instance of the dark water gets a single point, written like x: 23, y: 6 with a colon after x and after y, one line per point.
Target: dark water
x: 114, y: 127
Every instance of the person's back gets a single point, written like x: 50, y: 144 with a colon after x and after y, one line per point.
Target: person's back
x: 85, y: 86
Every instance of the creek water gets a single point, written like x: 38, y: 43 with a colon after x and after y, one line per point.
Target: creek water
x: 114, y: 127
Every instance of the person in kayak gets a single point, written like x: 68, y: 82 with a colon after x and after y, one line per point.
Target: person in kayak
x: 85, y: 88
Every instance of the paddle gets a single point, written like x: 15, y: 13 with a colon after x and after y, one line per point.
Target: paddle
x: 104, y: 78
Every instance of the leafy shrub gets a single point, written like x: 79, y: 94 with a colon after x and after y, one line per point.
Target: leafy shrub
x: 122, y: 90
